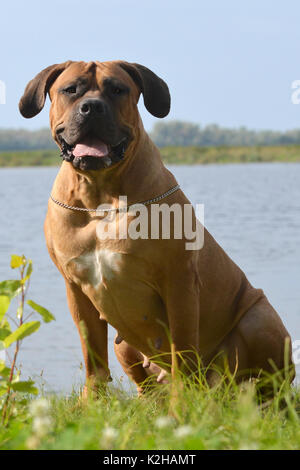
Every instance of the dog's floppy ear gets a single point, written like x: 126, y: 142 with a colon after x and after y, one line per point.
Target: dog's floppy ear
x: 156, y: 93
x: 33, y: 100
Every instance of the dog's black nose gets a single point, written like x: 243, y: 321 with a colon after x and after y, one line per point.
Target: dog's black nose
x: 91, y: 106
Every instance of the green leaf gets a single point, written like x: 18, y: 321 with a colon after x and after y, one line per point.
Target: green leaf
x: 16, y: 261
x: 4, y: 304
x: 28, y: 271
x: 24, y: 330
x: 24, y: 386
x: 4, y: 332
x: 10, y: 288
x: 3, y: 387
x: 4, y: 371
x: 45, y: 314
x: 5, y: 324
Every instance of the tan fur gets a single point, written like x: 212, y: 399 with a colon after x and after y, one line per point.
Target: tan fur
x: 146, y: 288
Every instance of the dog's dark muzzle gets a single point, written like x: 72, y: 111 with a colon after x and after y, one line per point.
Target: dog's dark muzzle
x: 92, y: 108
x: 92, y: 117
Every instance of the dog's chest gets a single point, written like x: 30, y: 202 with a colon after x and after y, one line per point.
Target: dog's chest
x: 95, y: 268
x: 121, y: 288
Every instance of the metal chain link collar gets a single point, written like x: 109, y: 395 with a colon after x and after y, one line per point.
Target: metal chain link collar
x: 119, y: 209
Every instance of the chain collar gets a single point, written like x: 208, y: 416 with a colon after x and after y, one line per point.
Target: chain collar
x: 117, y: 209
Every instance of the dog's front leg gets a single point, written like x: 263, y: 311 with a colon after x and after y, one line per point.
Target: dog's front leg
x: 183, y: 311
x: 93, y: 337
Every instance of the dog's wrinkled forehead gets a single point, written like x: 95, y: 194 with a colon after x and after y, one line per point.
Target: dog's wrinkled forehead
x: 94, y: 75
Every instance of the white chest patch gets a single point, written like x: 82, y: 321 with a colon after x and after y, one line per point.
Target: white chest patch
x: 98, y: 265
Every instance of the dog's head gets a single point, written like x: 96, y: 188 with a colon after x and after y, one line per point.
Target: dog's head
x: 94, y: 115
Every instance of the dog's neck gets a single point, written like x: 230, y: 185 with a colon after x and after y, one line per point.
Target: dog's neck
x: 141, y: 176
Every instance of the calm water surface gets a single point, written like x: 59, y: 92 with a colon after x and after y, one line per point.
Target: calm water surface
x: 252, y: 210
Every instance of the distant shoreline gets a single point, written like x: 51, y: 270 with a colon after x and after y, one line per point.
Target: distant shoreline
x: 171, y: 155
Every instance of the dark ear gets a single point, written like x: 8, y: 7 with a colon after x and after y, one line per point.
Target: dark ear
x: 156, y: 93
x: 33, y: 100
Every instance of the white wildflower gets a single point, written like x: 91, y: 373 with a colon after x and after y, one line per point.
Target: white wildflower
x: 40, y: 407
x: 109, y: 435
x: 164, y: 422
x: 42, y: 422
x: 42, y: 425
x: 183, y: 431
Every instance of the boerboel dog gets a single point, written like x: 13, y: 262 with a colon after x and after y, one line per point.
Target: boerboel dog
x: 154, y: 291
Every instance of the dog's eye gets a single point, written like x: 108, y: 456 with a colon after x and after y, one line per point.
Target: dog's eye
x: 117, y: 90
x: 70, y: 90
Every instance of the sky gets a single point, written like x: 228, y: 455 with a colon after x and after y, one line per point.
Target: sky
x: 227, y: 62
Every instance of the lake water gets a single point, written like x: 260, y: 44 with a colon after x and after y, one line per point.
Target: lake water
x: 252, y: 210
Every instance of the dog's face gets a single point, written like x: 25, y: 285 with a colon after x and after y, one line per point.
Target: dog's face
x: 94, y: 115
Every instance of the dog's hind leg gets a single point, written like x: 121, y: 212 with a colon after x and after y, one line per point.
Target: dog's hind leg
x: 137, y: 366
x: 258, y: 347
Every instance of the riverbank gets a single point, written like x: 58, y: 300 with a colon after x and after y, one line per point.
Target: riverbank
x: 172, y: 155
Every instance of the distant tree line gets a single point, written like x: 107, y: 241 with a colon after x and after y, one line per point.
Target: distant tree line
x: 170, y: 133
x: 21, y: 139
x: 180, y: 133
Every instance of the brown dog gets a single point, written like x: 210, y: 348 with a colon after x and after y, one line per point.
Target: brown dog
x: 153, y: 291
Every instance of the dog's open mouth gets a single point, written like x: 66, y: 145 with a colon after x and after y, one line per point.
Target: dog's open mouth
x: 91, y: 147
x: 91, y: 153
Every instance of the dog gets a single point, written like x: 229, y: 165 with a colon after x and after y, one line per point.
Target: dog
x: 155, y: 292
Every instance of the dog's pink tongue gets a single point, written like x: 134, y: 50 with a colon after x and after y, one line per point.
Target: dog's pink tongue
x: 90, y: 147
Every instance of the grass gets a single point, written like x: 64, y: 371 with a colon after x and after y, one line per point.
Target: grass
x: 206, y: 155
x: 225, y: 417
x: 172, y: 155
x: 30, y: 158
